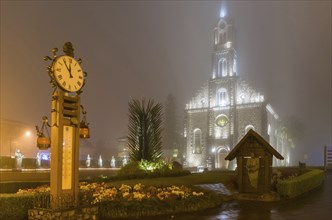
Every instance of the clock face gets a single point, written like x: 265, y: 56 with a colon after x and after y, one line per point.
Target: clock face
x: 68, y: 73
x: 222, y: 120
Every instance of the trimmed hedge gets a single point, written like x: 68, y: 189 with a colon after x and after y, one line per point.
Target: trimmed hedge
x: 296, y: 186
x: 15, y: 206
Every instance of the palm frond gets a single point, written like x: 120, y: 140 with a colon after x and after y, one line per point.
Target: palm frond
x: 145, y: 127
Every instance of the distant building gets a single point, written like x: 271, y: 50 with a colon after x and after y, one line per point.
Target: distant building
x: 226, y: 108
x: 122, y: 148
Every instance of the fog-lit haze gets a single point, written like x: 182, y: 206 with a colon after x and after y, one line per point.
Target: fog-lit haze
x: 155, y: 48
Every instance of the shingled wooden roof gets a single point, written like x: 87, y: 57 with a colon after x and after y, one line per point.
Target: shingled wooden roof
x: 259, y: 139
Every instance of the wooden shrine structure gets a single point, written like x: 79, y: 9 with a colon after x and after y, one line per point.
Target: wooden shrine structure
x: 254, y: 163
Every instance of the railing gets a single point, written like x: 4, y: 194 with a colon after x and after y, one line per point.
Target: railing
x: 42, y: 200
x: 61, y: 202
x: 327, y: 157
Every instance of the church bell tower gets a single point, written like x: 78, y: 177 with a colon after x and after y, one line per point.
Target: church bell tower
x: 224, y: 54
x: 222, y: 90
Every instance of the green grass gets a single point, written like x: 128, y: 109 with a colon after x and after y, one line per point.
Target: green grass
x: 189, y: 180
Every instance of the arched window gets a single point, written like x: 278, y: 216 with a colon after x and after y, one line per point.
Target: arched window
x: 248, y: 127
x: 222, y: 97
x: 197, y: 141
x: 216, y: 37
x: 234, y: 66
x: 222, y: 67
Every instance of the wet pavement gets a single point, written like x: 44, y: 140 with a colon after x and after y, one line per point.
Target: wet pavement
x: 316, y: 205
x: 218, y: 188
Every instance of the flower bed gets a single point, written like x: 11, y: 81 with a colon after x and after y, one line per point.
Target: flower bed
x: 102, y: 192
x: 138, y: 200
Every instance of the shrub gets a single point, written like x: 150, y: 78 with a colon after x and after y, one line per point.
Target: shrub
x: 176, y: 166
x: 285, y: 173
x: 297, y: 185
x: 145, y: 169
x: 15, y: 206
x: 131, y: 170
x: 232, y: 182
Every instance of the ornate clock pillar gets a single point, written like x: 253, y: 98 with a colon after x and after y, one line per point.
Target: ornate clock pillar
x: 67, y: 78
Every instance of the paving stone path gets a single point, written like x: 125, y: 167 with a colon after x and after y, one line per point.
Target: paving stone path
x: 219, y: 188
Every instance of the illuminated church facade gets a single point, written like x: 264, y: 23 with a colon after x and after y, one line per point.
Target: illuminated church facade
x: 226, y: 108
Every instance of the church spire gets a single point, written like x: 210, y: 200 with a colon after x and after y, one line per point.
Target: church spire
x: 224, y: 54
x: 223, y: 9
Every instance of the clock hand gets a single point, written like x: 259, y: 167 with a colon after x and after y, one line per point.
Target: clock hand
x: 71, y: 76
x: 68, y: 68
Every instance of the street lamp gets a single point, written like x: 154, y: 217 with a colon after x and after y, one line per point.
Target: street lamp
x: 28, y: 133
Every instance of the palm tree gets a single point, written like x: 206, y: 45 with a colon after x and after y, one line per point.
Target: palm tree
x: 144, y: 138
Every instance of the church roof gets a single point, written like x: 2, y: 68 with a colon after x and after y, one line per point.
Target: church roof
x: 252, y: 134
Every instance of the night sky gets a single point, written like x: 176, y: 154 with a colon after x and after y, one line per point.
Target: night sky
x: 155, y: 48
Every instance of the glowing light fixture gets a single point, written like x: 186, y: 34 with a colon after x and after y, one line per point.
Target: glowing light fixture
x: 223, y: 9
x: 84, y: 126
x: 222, y: 13
x: 28, y: 133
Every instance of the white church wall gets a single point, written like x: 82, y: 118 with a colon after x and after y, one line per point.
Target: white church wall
x: 250, y: 115
x: 196, y: 120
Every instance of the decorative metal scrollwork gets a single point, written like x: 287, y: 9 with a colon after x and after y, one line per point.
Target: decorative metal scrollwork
x: 68, y: 49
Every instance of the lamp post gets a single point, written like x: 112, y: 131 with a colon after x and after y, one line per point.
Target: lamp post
x: 10, y: 145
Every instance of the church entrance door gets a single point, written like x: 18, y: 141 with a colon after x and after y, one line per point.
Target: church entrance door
x: 221, y: 153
